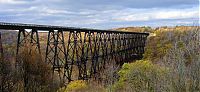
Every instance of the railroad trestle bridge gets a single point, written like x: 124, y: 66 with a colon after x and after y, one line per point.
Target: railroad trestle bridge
x: 87, y: 49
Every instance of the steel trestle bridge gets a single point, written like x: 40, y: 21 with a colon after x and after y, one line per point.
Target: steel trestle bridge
x: 87, y: 49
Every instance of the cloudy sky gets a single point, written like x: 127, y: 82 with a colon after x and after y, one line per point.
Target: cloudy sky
x: 104, y: 14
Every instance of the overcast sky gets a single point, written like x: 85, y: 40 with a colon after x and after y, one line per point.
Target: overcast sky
x: 103, y: 14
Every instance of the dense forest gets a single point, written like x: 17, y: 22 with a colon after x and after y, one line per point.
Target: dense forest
x: 171, y: 63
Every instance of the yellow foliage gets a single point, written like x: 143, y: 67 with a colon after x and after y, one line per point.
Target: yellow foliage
x: 74, y: 86
x: 180, y: 44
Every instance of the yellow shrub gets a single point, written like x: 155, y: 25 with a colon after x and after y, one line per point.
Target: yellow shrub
x: 74, y: 86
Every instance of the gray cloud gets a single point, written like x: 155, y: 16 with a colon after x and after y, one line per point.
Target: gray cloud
x: 99, y: 13
x: 107, y: 4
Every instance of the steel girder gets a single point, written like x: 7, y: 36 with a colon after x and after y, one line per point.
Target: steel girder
x: 56, y: 52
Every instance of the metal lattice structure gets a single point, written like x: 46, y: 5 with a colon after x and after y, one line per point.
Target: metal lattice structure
x: 87, y: 50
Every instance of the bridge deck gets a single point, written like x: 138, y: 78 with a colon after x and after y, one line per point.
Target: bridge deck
x: 18, y: 26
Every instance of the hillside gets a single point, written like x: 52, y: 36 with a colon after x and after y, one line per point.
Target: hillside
x: 171, y: 63
x: 135, y: 29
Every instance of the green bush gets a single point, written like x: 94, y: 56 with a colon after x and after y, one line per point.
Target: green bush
x: 140, y: 76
